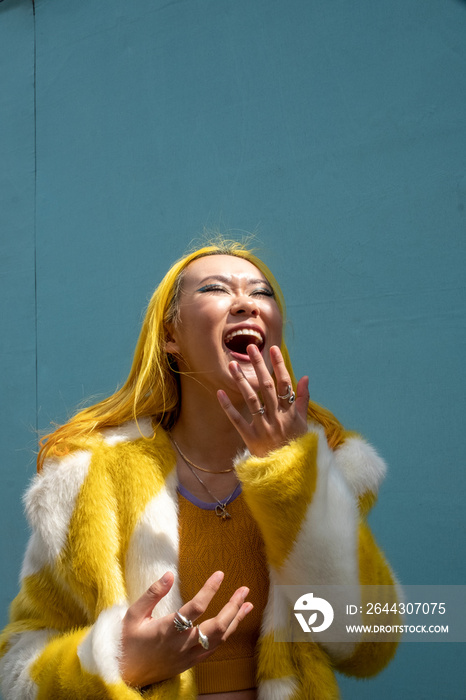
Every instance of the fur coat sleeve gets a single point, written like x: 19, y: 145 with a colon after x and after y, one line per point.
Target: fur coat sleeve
x: 311, y: 504
x: 85, y: 565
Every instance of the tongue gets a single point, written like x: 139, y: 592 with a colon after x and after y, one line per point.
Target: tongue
x: 239, y: 343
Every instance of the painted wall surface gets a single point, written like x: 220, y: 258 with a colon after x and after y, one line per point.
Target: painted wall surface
x: 337, y: 132
x: 18, y: 422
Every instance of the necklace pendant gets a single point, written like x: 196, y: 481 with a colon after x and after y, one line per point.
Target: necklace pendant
x: 221, y: 511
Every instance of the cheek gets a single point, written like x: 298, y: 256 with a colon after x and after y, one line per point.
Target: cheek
x: 280, y: 327
x: 209, y: 323
x: 276, y: 326
x: 198, y: 330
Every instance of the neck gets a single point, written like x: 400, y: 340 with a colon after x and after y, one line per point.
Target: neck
x: 204, y: 432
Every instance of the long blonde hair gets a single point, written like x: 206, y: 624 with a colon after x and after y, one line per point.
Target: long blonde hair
x: 152, y: 387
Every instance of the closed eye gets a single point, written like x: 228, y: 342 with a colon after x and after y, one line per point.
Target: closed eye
x: 212, y: 288
x: 218, y: 289
x: 263, y: 292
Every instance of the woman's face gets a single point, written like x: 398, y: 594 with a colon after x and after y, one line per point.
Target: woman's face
x: 225, y: 305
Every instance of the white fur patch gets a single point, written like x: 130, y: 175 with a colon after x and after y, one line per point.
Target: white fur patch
x: 361, y: 465
x: 277, y: 610
x: 326, y: 550
x: 153, y: 548
x: 277, y: 689
x: 129, y: 431
x: 50, y: 501
x: 16, y: 683
x: 242, y: 456
x: 36, y: 557
x: 99, y: 651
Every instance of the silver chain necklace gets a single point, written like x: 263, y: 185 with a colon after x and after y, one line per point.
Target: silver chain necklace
x: 220, y: 508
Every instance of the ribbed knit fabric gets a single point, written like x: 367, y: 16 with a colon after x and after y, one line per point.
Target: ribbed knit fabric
x: 235, y: 546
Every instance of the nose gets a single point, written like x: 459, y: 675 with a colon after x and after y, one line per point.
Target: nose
x: 246, y: 306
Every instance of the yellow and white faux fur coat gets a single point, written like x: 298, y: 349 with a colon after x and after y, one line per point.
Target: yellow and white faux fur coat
x: 104, y: 528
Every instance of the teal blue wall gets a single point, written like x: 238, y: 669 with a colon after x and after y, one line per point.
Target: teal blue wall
x: 17, y: 285
x: 335, y: 130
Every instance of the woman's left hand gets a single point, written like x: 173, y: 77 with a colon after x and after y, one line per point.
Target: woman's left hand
x: 276, y: 421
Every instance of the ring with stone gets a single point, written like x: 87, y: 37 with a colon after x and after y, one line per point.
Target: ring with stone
x: 181, y: 622
x: 260, y: 412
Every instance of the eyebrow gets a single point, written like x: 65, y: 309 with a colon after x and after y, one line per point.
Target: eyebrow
x: 227, y: 280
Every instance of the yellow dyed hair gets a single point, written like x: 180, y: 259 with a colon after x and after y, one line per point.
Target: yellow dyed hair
x: 152, y: 387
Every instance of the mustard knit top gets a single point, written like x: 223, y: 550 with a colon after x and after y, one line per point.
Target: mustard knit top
x: 234, y: 546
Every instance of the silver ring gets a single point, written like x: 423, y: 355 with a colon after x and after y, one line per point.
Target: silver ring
x: 181, y: 622
x: 288, y: 393
x: 260, y: 412
x: 292, y: 397
x: 203, y: 639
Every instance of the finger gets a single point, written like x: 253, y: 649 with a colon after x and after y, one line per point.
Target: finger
x: 282, y: 376
x: 250, y: 397
x: 220, y: 627
x: 236, y: 418
x: 244, y: 610
x: 266, y: 382
x: 214, y: 638
x: 200, y: 654
x: 144, y: 605
x: 198, y: 605
x: 229, y: 613
x: 302, y: 396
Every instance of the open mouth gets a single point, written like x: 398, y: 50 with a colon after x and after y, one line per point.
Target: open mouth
x: 238, y: 340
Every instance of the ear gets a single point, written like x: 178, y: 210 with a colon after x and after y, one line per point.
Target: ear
x: 171, y: 346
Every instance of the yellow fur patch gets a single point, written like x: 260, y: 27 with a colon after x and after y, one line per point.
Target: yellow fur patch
x: 287, y: 478
x: 120, y: 483
x: 62, y: 610
x: 59, y: 675
x: 370, y: 658
x: 58, y: 669
x: 317, y: 677
x: 274, y: 659
x: 366, y: 502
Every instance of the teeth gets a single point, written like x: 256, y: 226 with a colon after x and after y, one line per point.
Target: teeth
x: 245, y: 331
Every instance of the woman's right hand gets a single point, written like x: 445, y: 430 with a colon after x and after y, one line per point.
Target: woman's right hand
x: 153, y: 650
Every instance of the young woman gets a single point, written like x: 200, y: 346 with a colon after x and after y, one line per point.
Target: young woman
x: 164, y: 516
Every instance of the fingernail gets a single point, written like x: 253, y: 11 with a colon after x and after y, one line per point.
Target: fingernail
x: 165, y: 579
x: 222, y: 397
x: 218, y: 576
x: 244, y: 592
x: 248, y: 607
